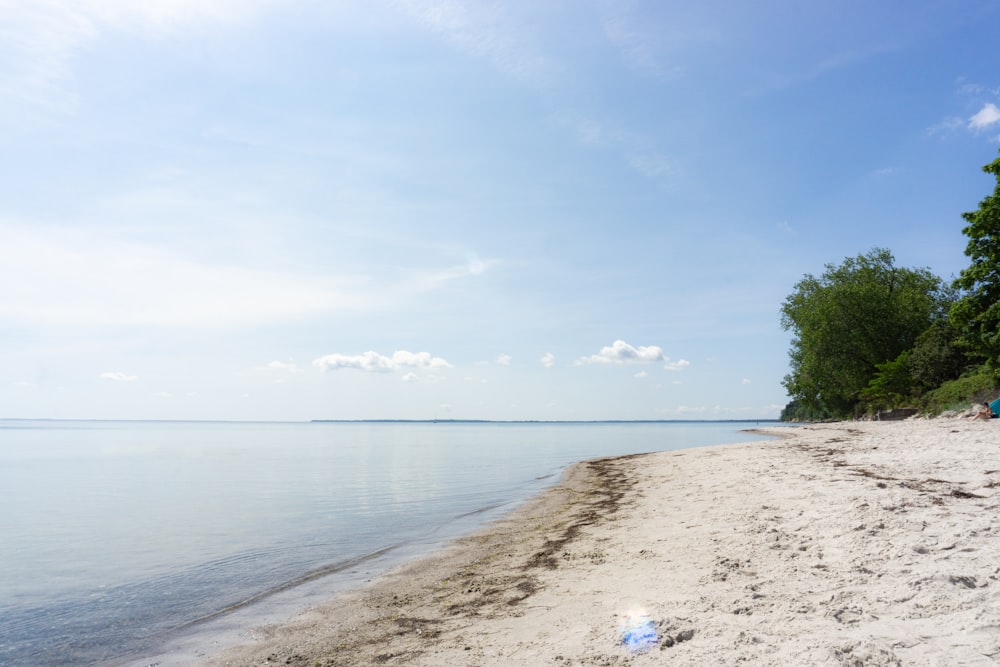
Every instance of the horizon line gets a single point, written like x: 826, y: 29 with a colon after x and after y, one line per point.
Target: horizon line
x: 388, y: 420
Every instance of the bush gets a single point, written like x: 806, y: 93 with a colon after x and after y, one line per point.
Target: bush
x: 975, y: 387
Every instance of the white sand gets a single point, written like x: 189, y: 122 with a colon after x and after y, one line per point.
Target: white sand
x: 846, y: 544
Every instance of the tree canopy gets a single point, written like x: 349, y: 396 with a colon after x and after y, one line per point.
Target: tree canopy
x: 977, y: 312
x: 853, y: 319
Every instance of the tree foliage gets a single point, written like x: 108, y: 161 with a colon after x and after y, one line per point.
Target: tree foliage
x: 890, y: 385
x: 977, y: 313
x: 795, y: 411
x: 934, y: 360
x: 936, y: 357
x: 859, y: 315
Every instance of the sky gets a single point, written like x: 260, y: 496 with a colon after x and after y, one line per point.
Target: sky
x: 458, y: 209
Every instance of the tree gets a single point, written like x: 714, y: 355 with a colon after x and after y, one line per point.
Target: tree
x: 934, y: 360
x: 977, y: 312
x: 796, y: 412
x: 936, y: 357
x: 891, y: 384
x: 847, y: 322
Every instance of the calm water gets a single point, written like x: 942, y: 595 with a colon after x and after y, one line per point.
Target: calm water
x: 116, y: 535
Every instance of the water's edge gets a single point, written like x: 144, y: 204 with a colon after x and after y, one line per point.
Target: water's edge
x: 203, y: 637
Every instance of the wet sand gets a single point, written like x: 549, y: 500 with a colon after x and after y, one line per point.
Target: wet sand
x: 842, y: 544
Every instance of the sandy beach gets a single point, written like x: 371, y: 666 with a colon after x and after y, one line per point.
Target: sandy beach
x: 839, y: 544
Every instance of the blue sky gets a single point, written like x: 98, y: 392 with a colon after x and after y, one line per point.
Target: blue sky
x: 253, y: 209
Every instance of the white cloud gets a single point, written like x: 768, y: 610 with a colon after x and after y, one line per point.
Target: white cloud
x: 118, y: 376
x: 676, y: 365
x: 81, y: 278
x: 548, y: 360
x: 621, y: 352
x: 504, y: 359
x: 418, y: 360
x: 410, y: 377
x: 281, y: 366
x: 640, y: 374
x: 41, y: 39
x: 746, y: 381
x: 986, y: 117
x: 369, y: 361
x: 373, y: 362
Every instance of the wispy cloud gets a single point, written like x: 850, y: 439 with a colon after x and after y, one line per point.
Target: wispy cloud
x: 84, y: 276
x: 373, y: 362
x: 490, y: 31
x: 279, y: 372
x: 76, y: 278
x: 283, y: 366
x: 650, y: 47
x: 427, y: 280
x: 947, y: 125
x: 118, y: 376
x: 638, y: 152
x: 504, y: 359
x: 680, y: 364
x: 655, y: 166
x: 43, y: 39
x: 548, y: 360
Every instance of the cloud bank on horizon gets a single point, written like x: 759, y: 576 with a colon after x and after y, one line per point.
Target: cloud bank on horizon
x: 193, y: 189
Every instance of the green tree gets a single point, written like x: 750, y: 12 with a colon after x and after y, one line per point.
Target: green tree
x: 934, y: 360
x: 936, y: 357
x: 796, y: 412
x: 977, y: 312
x: 891, y: 384
x: 847, y: 322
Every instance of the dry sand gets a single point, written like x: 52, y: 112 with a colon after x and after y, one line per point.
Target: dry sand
x: 844, y: 544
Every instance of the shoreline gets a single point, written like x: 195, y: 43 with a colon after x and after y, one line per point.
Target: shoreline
x: 841, y: 544
x: 538, y: 525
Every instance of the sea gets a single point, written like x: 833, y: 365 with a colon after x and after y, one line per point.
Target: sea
x: 147, y: 543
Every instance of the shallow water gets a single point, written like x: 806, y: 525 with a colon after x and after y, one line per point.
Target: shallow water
x: 118, y: 534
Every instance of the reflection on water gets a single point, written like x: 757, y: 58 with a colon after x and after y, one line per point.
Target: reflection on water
x: 116, y: 533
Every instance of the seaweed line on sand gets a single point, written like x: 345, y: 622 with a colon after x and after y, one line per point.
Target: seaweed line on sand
x: 490, y: 574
